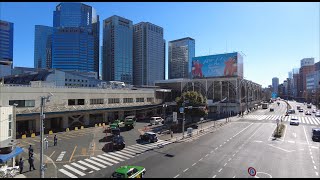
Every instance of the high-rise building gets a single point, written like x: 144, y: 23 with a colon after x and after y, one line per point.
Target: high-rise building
x: 307, y: 62
x: 148, y: 53
x: 42, y: 46
x: 181, y: 52
x: 75, y: 39
x: 317, y: 66
x: 307, y: 66
x: 275, y: 84
x: 6, y: 48
x: 117, y: 63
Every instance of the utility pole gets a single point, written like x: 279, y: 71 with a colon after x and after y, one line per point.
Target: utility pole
x: 41, y: 137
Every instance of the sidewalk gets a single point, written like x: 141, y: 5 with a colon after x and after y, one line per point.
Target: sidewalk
x: 20, y: 176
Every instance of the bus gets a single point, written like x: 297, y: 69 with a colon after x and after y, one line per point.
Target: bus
x: 265, y: 105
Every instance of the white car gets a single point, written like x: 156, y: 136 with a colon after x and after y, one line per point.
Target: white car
x: 308, y: 113
x: 317, y: 114
x: 314, y: 111
x: 155, y: 120
x: 294, y: 121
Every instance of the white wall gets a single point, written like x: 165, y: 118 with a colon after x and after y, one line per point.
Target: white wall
x: 4, y: 124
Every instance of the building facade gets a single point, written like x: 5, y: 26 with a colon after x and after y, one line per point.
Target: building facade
x: 306, y: 62
x: 117, y: 50
x: 148, y: 53
x: 180, y: 54
x: 75, y: 40
x: 275, y: 84
x: 6, y: 48
x: 302, y: 84
x: 43, y: 46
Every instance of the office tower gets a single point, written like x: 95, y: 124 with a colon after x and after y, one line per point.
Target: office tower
x: 42, y: 46
x: 181, y: 52
x: 148, y: 53
x: 117, y: 49
x: 275, y: 84
x: 6, y: 48
x: 75, y: 41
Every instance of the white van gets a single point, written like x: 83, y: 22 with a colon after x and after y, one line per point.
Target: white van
x: 155, y: 120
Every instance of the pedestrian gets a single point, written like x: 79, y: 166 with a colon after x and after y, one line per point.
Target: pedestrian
x: 30, y: 150
x: 46, y: 141
x: 171, y: 132
x: 31, y: 161
x: 55, y: 140
x: 21, y: 165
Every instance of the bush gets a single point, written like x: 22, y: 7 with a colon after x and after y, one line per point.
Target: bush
x: 280, y: 132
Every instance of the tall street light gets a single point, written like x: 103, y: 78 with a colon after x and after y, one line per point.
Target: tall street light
x: 44, y: 99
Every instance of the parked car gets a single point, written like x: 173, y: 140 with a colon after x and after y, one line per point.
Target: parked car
x: 156, y: 120
x: 308, y: 113
x: 317, y: 114
x: 316, y: 134
x: 294, y: 121
x: 149, y: 137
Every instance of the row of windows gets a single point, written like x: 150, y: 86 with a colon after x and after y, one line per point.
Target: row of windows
x: 74, y: 80
x: 22, y: 103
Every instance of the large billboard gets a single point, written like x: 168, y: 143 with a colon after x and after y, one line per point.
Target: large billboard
x: 220, y: 65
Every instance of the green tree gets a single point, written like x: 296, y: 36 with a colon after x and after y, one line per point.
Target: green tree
x: 195, y: 100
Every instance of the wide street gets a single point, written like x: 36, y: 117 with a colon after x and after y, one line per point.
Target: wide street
x: 220, y: 152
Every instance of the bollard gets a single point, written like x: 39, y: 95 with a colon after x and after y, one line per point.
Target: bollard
x: 76, y: 128
x: 33, y: 135
x: 99, y: 124
x: 67, y: 130
x: 50, y: 132
x: 24, y: 136
x: 96, y: 125
x: 82, y: 127
x: 103, y: 124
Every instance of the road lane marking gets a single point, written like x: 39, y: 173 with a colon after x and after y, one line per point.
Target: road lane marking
x: 317, y: 174
x: 224, y: 142
x: 225, y: 164
x: 108, y: 159
x: 311, y: 157
x: 233, y: 176
x: 194, y: 164
x: 73, y: 153
x: 185, y: 170
x: 124, y: 154
x: 95, y: 163
x: 206, y: 155
x: 60, y: 157
x: 294, y: 134
x: 229, y: 159
x: 74, y: 170
x: 214, y: 176
x: 216, y: 148
x: 220, y: 145
x: 313, y: 161
x: 102, y: 161
x: 233, y: 154
x: 52, y: 153
x: 176, y: 176
x: 78, y: 166
x: 200, y: 159
x: 291, y: 141
x: 315, y: 167
x: 306, y: 135
x: 113, y: 157
x: 89, y: 165
x: 314, y: 147
x: 211, y: 151
x: 67, y: 173
x: 128, y: 152
x: 220, y: 170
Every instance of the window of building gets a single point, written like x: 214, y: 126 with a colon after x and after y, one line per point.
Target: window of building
x: 78, y: 80
x: 10, y: 125
x: 71, y: 102
x: 22, y: 103
x: 66, y: 79
x: 80, y: 101
x: 96, y: 101
x: 149, y: 99
x: 127, y: 100
x: 139, y: 99
x: 113, y: 100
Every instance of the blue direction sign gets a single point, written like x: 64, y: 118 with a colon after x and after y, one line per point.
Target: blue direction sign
x: 252, y: 171
x: 181, y: 109
x: 274, y: 95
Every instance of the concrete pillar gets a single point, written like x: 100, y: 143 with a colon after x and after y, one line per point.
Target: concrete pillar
x: 105, y: 116
x: 65, y: 120
x: 86, y: 119
x: 121, y: 114
x: 37, y: 119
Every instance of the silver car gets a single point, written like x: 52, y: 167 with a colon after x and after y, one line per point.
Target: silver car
x: 294, y: 121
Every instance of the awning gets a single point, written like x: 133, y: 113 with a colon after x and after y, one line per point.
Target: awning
x: 14, y: 153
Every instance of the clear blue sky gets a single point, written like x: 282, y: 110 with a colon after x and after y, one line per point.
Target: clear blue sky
x: 273, y: 36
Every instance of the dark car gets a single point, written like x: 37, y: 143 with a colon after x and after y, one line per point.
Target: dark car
x: 271, y: 109
x: 149, y: 137
x: 316, y: 134
x: 115, y: 132
x: 118, y: 142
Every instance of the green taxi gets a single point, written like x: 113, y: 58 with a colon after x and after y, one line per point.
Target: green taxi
x: 129, y: 172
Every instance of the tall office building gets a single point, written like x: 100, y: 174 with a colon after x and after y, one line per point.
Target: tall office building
x: 117, y: 50
x: 275, y: 84
x: 307, y: 62
x: 148, y: 53
x: 42, y: 46
x: 75, y: 40
x: 181, y: 52
x: 6, y: 48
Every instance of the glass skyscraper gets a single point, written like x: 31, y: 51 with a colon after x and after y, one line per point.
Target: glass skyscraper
x: 181, y: 52
x: 6, y: 48
x: 43, y: 46
x: 75, y: 39
x: 117, y: 49
x: 148, y: 53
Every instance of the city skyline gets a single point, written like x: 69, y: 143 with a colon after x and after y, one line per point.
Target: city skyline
x: 256, y: 35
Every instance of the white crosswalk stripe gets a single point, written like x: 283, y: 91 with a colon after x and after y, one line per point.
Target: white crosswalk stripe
x: 108, y: 159
x: 302, y: 120
x: 61, y: 156
x: 317, y: 120
x: 79, y: 166
x: 118, y: 155
x: 89, y: 165
x: 310, y: 120
x: 124, y: 154
x: 113, y: 157
x: 67, y: 173
x: 102, y: 161
x: 74, y: 170
x: 128, y: 152
x: 307, y: 120
x: 136, y: 149
x: 313, y: 119
x: 95, y: 163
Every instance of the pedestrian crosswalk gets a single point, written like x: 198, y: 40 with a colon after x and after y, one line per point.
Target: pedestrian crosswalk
x: 61, y: 156
x: 302, y: 119
x: 81, y: 167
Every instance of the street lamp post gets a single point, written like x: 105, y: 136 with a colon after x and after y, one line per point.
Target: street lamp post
x: 42, y: 117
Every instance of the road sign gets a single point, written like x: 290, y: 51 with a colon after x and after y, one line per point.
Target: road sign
x: 181, y: 109
x: 175, y: 116
x: 252, y: 171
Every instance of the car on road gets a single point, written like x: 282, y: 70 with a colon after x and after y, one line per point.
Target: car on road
x: 294, y: 121
x: 314, y: 110
x: 129, y: 172
x: 150, y: 137
x: 317, y: 114
x: 300, y: 110
x: 118, y: 142
x: 308, y: 113
x: 130, y: 122
x: 156, y: 120
x: 291, y: 111
x: 298, y: 107
x: 271, y: 109
x: 309, y: 106
x: 316, y: 134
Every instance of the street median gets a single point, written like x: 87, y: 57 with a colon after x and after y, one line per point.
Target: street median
x: 278, y: 132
